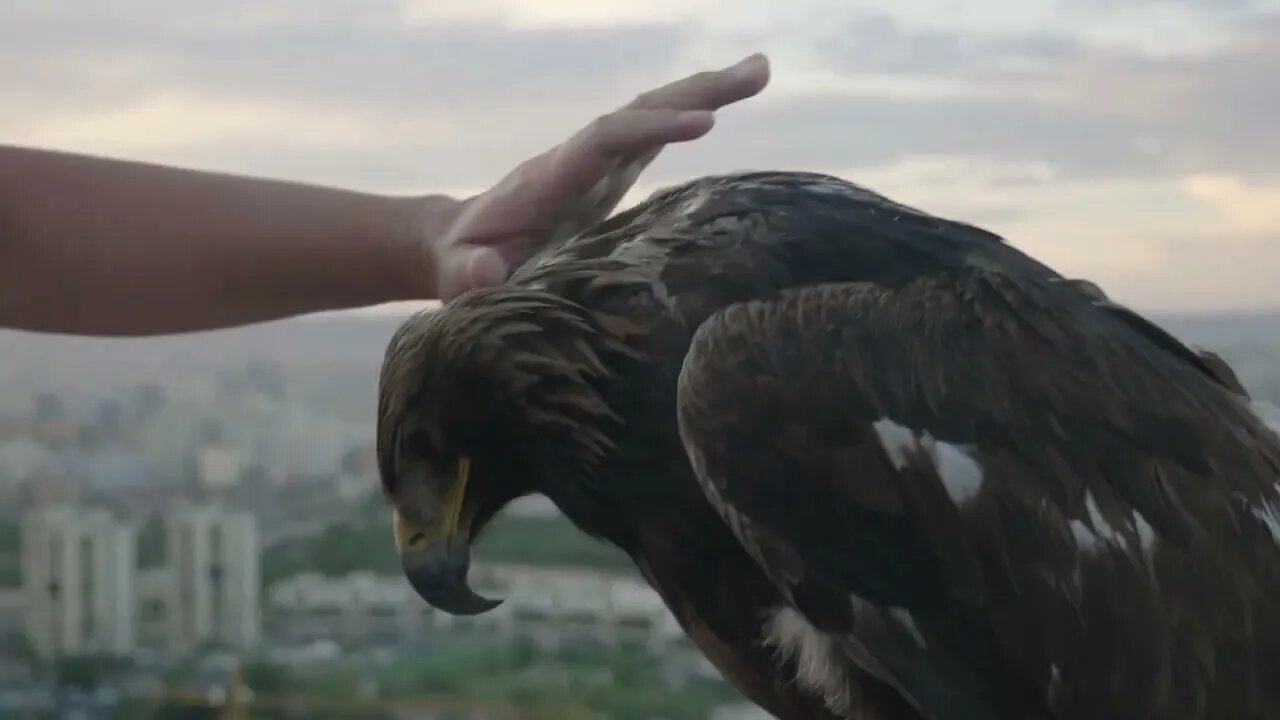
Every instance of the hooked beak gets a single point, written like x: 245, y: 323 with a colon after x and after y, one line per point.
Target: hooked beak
x: 435, y: 559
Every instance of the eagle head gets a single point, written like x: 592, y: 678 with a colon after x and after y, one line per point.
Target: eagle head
x: 487, y: 399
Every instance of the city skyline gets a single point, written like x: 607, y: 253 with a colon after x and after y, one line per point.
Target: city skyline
x: 81, y: 580
x: 1130, y: 145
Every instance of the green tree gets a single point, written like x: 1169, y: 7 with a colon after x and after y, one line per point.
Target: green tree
x: 88, y: 671
x: 364, y: 543
x: 10, y: 534
x: 10, y: 552
x: 267, y: 677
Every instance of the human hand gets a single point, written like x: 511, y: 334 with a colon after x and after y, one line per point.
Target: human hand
x: 579, y: 182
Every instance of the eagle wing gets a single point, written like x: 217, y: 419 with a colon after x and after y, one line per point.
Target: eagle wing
x: 994, y: 495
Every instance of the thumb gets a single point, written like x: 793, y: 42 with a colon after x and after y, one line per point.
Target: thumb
x: 484, y: 267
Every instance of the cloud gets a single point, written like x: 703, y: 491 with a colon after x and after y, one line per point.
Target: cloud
x: 333, y: 92
x: 357, y: 60
x: 1199, y: 272
x: 840, y: 129
x: 1244, y: 208
x: 1128, y: 143
x: 175, y: 120
x: 1090, y: 106
x: 572, y: 14
x: 1189, y: 244
x: 415, y: 75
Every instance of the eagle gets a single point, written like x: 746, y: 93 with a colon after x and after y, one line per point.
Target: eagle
x: 878, y: 464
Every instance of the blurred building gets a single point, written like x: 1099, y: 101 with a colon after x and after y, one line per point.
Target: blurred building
x: 78, y: 568
x: 551, y: 605
x: 21, y: 460
x: 52, y: 424
x: 361, y: 608
x: 154, y: 595
x: 12, y: 617
x: 218, y: 467
x: 50, y: 488
x: 357, y: 476
x: 213, y: 557
x: 103, y: 467
x: 559, y: 604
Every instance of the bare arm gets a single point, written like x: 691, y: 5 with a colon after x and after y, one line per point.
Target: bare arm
x: 98, y: 246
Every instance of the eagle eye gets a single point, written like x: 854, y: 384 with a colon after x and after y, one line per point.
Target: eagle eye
x: 419, y: 441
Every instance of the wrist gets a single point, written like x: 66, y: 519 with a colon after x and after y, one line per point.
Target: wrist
x: 422, y: 222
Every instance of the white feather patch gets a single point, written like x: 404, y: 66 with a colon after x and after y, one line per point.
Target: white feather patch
x: 896, y: 440
x: 1269, y: 514
x: 960, y: 473
x: 1090, y: 536
x: 1100, y: 524
x: 815, y: 654
x: 1055, y: 684
x: 903, y: 616
x: 1266, y: 510
x: 1146, y: 534
x: 1086, y: 539
x: 696, y: 201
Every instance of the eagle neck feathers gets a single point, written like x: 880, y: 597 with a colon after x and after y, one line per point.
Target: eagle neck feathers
x: 555, y: 358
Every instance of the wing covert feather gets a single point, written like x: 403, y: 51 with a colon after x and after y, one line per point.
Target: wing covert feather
x: 977, y: 484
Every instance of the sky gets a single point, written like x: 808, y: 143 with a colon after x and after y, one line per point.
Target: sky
x: 1132, y: 142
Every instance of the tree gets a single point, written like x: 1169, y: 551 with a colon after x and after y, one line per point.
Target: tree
x: 88, y: 671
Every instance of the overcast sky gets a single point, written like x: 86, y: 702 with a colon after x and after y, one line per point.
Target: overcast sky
x: 1132, y: 142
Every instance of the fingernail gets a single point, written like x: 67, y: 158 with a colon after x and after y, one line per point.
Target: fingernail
x: 750, y: 64
x: 695, y: 117
x: 486, y: 268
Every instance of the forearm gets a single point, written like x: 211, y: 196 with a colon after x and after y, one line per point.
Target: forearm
x: 99, y: 246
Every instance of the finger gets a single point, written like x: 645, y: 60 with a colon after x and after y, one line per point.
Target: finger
x: 595, y: 168
x: 710, y: 90
x: 471, y: 266
x: 599, y: 165
x: 626, y: 131
x: 486, y: 267
x: 596, y: 150
x: 590, y: 158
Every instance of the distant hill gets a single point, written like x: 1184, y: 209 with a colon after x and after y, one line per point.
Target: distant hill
x: 75, y: 362
x: 364, y: 543
x: 1224, y: 329
x: 358, y: 341
x: 350, y: 346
